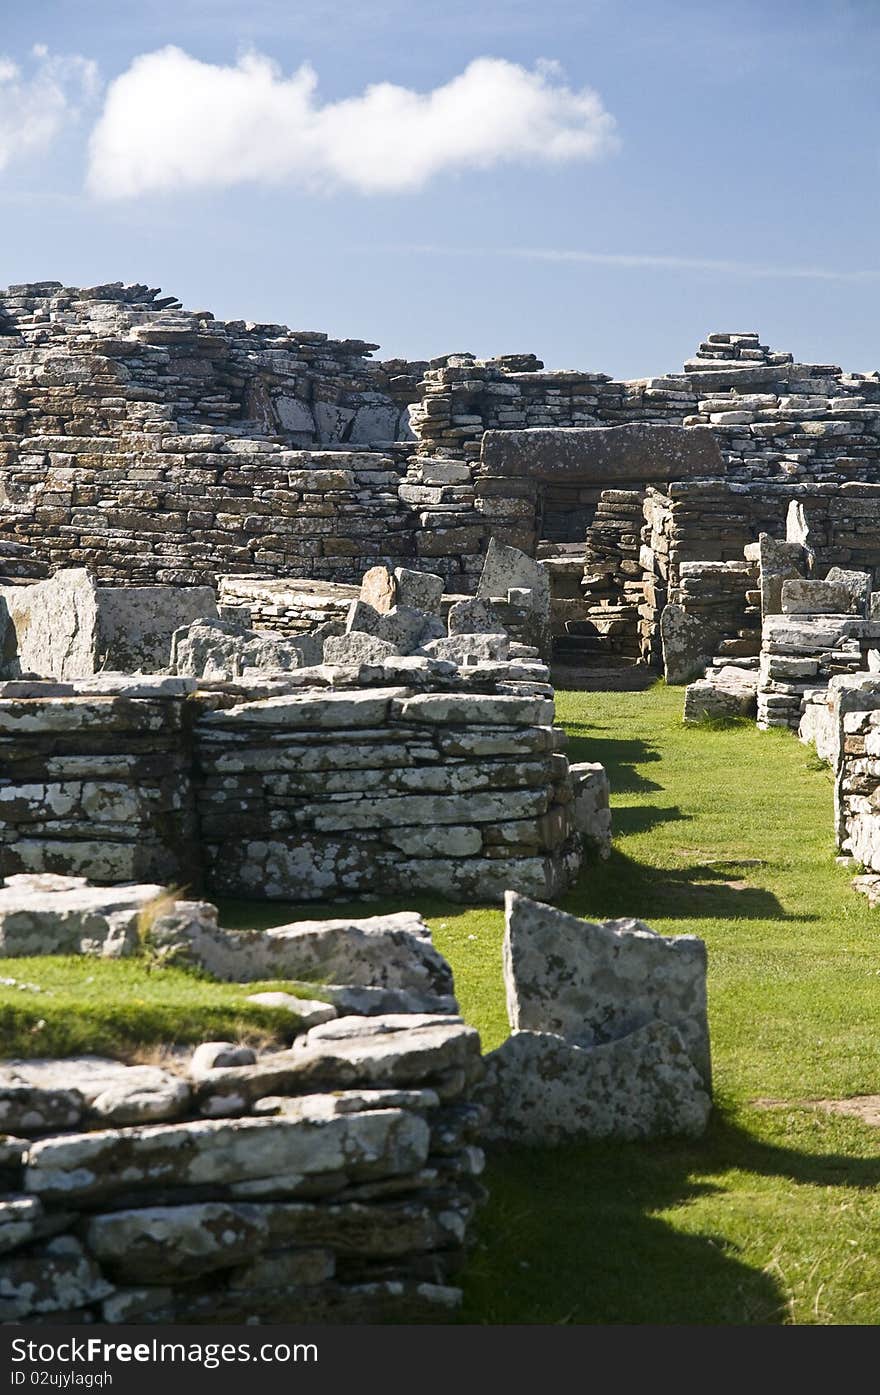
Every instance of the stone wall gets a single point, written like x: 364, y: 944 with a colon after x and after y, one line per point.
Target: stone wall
x: 395, y: 776
x: 95, y: 780
x: 331, y: 1182
x: 127, y: 423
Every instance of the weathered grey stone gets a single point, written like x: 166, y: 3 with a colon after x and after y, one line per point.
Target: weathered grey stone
x: 55, y: 625
x: 541, y: 1089
x: 305, y: 711
x: 87, y: 1166
x: 506, y: 568
x: 378, y: 952
x: 401, y: 626
x: 857, y: 584
x: 209, y: 1055
x: 393, y: 1050
x: 595, y: 983
x: 59, y: 1278
x: 218, y: 649
x: 465, y: 709
x: 686, y: 644
x: 727, y: 692
x: 474, y: 616
x: 778, y: 562
x: 29, y: 1109
x: 283, y: 1268
x: 797, y: 530
x: 68, y: 627
x: 420, y: 590
x: 156, y: 1242
x: 20, y: 1218
x: 48, y: 914
x: 592, y: 804
x: 309, y: 1011
x: 40, y: 1094
x: 356, y: 647
x: 136, y: 624
x: 466, y: 649
x: 602, y: 455
x: 124, y: 1103
x: 815, y: 598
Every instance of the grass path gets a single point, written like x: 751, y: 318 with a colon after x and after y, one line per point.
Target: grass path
x: 775, y: 1216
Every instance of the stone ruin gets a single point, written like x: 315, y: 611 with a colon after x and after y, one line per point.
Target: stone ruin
x: 159, y: 446
x: 276, y: 621
x: 335, y: 1178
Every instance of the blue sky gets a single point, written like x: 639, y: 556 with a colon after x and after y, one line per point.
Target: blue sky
x: 727, y: 177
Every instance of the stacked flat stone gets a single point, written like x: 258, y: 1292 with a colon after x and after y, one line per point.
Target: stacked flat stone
x: 613, y: 586
x: 286, y: 607
x: 842, y: 722
x: 382, y: 788
x: 320, y: 782
x: 331, y: 1182
x: 802, y: 653
x: 95, y: 779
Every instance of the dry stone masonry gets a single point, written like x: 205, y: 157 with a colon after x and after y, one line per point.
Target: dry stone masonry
x: 334, y: 1181
x: 157, y: 445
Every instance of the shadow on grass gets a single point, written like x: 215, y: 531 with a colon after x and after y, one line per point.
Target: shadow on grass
x: 639, y: 818
x: 620, y: 886
x: 619, y: 758
x: 572, y: 1234
x: 569, y: 1233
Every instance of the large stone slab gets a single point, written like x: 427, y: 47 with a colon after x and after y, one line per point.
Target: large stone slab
x: 603, y: 455
x: 778, y: 562
x: 39, y: 1094
x: 816, y: 598
x: 594, y: 983
x: 541, y: 1089
x: 507, y: 568
x: 365, y: 1055
x: 47, y: 914
x: 223, y: 649
x: 725, y: 693
x: 136, y: 624
x: 388, y: 952
x: 687, y: 644
x: 82, y: 1167
x: 52, y: 626
x: 592, y: 804
x: 69, y: 627
x: 60, y: 1277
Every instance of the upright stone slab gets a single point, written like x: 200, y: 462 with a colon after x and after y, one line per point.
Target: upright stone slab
x: 506, y: 568
x: 595, y: 983
x: 778, y: 562
x: 136, y: 624
x: 379, y: 589
x: 687, y: 644
x: 52, y: 626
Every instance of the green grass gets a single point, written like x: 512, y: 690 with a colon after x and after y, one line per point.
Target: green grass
x: 124, y: 1007
x: 725, y: 832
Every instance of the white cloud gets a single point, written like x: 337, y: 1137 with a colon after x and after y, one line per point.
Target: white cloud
x: 35, y: 104
x: 171, y: 122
